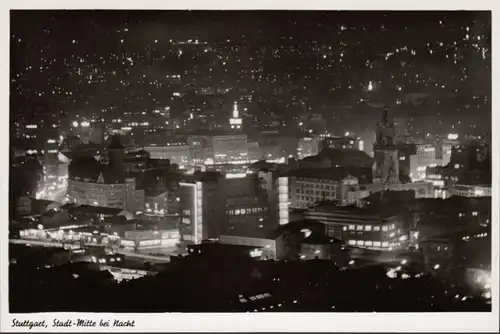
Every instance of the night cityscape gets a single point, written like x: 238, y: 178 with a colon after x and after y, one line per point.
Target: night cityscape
x: 250, y: 161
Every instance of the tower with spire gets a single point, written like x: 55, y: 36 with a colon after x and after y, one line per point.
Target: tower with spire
x: 235, y: 121
x: 386, y: 163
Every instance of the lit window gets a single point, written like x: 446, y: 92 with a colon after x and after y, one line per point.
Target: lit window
x: 376, y: 228
x: 359, y: 228
x: 368, y: 228
x: 352, y: 227
x: 385, y: 244
x: 360, y: 242
x: 368, y: 243
x: 352, y: 242
x: 376, y: 243
x: 385, y: 228
x: 474, y: 213
x: 344, y: 228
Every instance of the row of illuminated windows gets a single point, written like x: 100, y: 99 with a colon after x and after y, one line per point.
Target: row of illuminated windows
x: 368, y: 243
x: 318, y: 192
x: 315, y: 185
x: 371, y: 243
x: 314, y: 198
x: 244, y: 211
x: 369, y: 228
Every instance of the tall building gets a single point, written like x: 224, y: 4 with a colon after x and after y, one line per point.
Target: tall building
x: 235, y: 121
x: 247, y: 207
x: 202, y: 199
x: 386, y: 164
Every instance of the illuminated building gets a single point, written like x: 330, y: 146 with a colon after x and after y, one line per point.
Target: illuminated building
x: 148, y: 238
x: 201, y: 149
x: 235, y: 122
x: 471, y: 190
x: 311, y: 186
x: 177, y: 152
x: 88, y: 131
x: 231, y: 148
x: 191, y: 211
x: 93, y: 183
x: 361, y: 227
x: 425, y: 157
x: 386, y: 164
x: 283, y: 200
x: 308, y: 146
x: 202, y: 199
x: 444, y: 148
x: 247, y: 207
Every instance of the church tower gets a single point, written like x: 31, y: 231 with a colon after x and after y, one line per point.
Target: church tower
x: 386, y: 164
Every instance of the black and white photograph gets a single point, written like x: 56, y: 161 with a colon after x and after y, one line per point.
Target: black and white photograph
x: 249, y: 161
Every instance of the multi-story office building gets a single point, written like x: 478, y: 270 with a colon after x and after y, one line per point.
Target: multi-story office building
x: 247, y: 207
x: 425, y: 157
x: 361, y: 227
x: 311, y: 186
x: 202, y: 206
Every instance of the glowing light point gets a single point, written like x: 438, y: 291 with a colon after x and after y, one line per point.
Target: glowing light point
x: 370, y: 86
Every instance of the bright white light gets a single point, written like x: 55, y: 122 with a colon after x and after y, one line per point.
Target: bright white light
x: 436, y: 267
x: 351, y: 262
x: 75, y: 124
x: 452, y: 136
x: 404, y: 262
x: 370, y: 86
x: 391, y: 273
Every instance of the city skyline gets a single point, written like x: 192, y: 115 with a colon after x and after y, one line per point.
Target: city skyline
x: 250, y: 161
